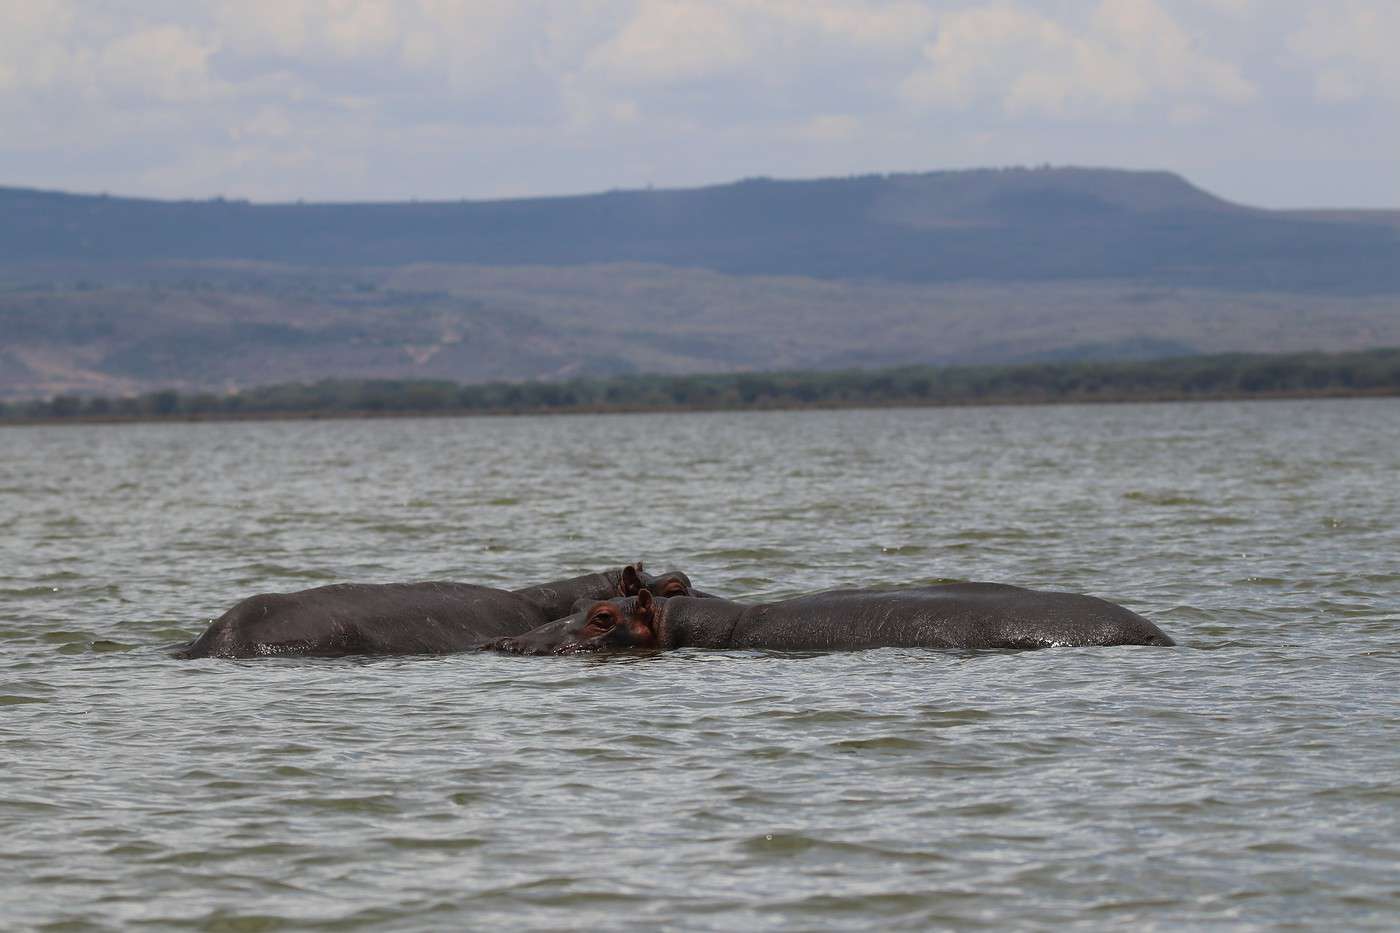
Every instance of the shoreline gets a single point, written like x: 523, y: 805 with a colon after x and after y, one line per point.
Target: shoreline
x: 644, y: 409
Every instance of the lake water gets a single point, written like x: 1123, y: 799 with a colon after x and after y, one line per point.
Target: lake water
x: 1247, y: 778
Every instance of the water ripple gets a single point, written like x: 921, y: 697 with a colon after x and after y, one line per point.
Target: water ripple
x: 1241, y: 779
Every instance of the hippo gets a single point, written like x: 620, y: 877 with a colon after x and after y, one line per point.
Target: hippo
x: 408, y: 618
x: 956, y: 615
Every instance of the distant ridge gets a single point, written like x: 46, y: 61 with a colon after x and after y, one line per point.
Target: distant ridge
x: 118, y: 296
x: 1011, y: 225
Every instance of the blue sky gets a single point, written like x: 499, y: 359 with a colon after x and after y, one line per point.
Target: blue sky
x: 1281, y: 103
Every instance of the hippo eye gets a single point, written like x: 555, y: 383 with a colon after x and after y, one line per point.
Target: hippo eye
x: 603, y: 621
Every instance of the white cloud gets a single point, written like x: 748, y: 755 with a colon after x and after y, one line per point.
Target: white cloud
x: 165, y: 63
x: 46, y: 46
x: 1351, y: 47
x: 270, y: 26
x: 828, y: 127
x: 34, y: 44
x: 674, y: 40
x: 1166, y: 54
x: 1235, y: 8
x: 968, y: 60
x: 864, y: 23
x: 1127, y: 52
x: 460, y: 40
x: 389, y: 98
x: 331, y: 28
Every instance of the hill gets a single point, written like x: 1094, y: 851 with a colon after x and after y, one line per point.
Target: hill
x: 998, y: 225
x: 106, y: 295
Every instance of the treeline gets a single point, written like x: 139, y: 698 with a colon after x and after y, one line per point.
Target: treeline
x: 1375, y: 372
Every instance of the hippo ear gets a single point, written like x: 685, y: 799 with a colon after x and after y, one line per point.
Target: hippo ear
x: 646, y: 609
x: 643, y: 621
x: 631, y: 579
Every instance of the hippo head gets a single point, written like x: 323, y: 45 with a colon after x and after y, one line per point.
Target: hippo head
x: 633, y: 579
x: 670, y: 583
x: 625, y: 624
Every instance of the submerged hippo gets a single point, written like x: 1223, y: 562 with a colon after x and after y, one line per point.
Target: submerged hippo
x: 958, y: 615
x: 407, y: 618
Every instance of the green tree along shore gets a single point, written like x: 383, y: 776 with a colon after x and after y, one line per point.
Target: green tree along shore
x: 1227, y: 376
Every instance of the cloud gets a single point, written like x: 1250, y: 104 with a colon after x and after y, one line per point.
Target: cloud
x: 1350, y: 46
x: 34, y: 43
x: 1128, y: 52
x: 674, y: 40
x: 162, y: 63
x: 828, y: 127
x: 400, y: 98
x: 1236, y: 8
x: 47, y: 46
x: 310, y: 27
x: 861, y: 23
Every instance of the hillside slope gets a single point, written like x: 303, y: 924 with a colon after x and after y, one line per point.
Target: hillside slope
x: 997, y: 225
x: 112, y: 295
x: 223, y: 326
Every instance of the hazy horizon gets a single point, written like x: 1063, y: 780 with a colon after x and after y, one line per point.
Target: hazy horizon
x: 1289, y: 104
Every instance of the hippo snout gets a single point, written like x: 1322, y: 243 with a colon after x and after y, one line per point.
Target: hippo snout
x: 514, y: 646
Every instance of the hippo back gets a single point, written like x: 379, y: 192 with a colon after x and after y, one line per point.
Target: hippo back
x: 958, y: 615
x: 365, y: 619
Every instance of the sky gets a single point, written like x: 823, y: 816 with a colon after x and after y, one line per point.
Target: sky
x: 1276, y: 103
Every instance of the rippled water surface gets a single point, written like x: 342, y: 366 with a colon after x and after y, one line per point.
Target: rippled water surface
x: 1245, y: 778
